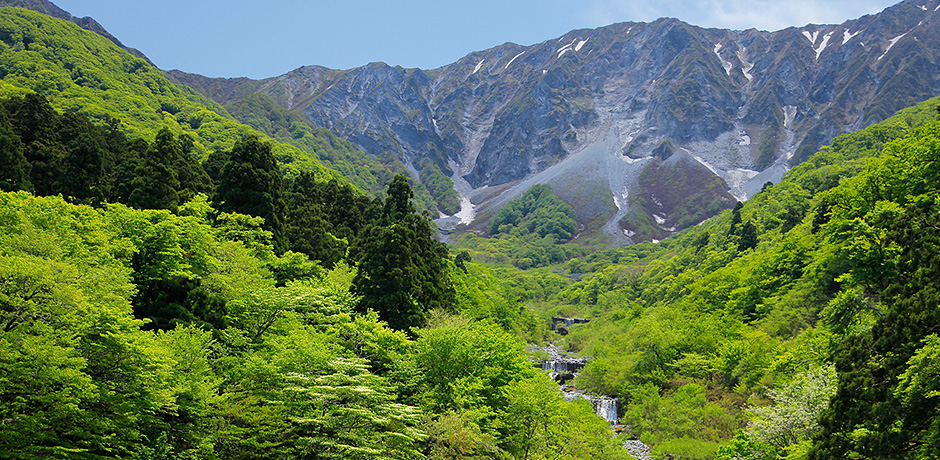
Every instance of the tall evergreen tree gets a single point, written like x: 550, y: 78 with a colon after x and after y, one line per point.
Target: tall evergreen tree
x: 402, y: 270
x: 156, y: 183
x: 14, y: 169
x: 250, y: 183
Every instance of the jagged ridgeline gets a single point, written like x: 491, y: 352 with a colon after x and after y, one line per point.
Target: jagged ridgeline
x: 643, y: 128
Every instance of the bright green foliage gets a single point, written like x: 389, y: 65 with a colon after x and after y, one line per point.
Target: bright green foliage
x: 540, y: 424
x: 465, y: 366
x: 734, y: 304
x: 348, y: 413
x: 68, y: 155
x: 82, y: 380
x: 685, y: 415
x: 893, y: 206
x: 528, y: 232
x: 83, y: 72
x: 919, y: 387
x: 361, y: 170
x: 480, y: 295
x: 439, y: 186
x: 290, y: 374
x: 538, y: 211
x: 787, y: 427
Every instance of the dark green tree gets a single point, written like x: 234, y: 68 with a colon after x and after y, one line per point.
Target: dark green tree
x: 14, y: 169
x: 748, y: 237
x: 156, y: 183
x: 36, y: 123
x: 402, y: 272
x: 867, y: 417
x: 735, y: 218
x: 323, y: 217
x: 250, y: 183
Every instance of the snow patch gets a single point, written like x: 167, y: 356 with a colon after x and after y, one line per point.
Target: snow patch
x: 736, y: 179
x: 822, y: 45
x: 923, y: 7
x: 544, y: 71
x: 660, y: 220
x: 564, y: 49
x: 628, y: 233
x: 747, y: 66
x: 811, y: 37
x: 744, y: 138
x: 467, y: 212
x: 581, y: 44
x: 513, y: 59
x: 846, y: 36
x: 891, y: 44
x: 655, y: 241
x: 434, y: 122
x: 937, y: 8
x: 789, y: 113
x: 477, y: 68
x: 726, y: 64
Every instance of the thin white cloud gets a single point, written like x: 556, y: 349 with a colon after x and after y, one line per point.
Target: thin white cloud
x: 733, y: 14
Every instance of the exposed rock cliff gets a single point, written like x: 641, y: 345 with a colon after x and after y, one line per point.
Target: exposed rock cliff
x: 589, y: 111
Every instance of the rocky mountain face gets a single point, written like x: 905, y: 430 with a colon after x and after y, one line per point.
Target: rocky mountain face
x: 595, y: 111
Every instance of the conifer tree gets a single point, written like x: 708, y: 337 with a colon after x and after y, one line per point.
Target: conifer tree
x: 156, y: 183
x: 402, y: 273
x: 14, y: 169
x: 250, y: 183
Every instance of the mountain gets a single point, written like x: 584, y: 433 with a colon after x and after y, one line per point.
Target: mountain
x: 589, y: 112
x: 87, y: 23
x: 84, y: 72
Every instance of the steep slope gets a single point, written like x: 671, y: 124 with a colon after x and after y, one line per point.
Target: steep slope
x: 87, y: 23
x: 839, y: 266
x: 745, y: 104
x: 81, y: 71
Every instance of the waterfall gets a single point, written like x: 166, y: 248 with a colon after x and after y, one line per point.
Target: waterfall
x: 604, y: 406
x: 563, y: 367
x: 567, y: 322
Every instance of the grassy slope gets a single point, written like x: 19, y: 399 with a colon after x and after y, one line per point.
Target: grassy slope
x: 80, y: 71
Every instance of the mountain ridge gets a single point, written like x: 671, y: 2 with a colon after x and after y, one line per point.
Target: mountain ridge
x: 746, y: 104
x: 48, y: 8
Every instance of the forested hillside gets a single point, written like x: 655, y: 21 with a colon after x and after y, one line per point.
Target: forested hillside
x: 170, y: 327
x: 82, y: 72
x: 174, y: 284
x: 743, y: 327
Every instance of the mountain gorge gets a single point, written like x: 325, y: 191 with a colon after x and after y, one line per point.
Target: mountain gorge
x: 213, y: 274
x: 591, y: 112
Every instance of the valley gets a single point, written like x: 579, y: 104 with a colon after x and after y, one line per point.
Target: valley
x: 641, y: 241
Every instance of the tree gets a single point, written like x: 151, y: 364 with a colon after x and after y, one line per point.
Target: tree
x: 157, y: 183
x: 402, y: 269
x: 14, y: 169
x: 250, y: 183
x: 748, y: 237
x: 791, y: 422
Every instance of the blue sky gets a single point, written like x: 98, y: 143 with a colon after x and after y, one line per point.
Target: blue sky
x: 257, y: 39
